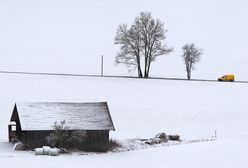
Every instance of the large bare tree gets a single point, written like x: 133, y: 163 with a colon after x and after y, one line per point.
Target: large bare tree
x: 141, y: 44
x: 191, y: 56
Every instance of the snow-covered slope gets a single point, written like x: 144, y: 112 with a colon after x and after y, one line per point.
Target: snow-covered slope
x: 222, y: 153
x: 141, y: 108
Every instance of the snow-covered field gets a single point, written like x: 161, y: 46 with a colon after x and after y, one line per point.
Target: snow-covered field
x: 69, y: 36
x: 212, y: 154
x: 140, y: 109
x: 222, y: 153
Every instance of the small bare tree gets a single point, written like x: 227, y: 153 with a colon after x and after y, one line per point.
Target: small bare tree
x: 191, y: 56
x: 141, y: 44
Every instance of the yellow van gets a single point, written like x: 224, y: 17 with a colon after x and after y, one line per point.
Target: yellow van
x: 229, y: 78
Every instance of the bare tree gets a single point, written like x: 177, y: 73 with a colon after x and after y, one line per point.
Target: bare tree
x: 130, y: 51
x: 141, y: 44
x: 191, y: 56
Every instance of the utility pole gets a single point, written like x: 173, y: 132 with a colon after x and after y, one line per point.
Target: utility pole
x: 101, y: 65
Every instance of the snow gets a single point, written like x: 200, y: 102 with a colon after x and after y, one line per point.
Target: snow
x: 197, y: 106
x: 70, y: 36
x: 140, y: 109
x: 222, y: 153
x: 84, y: 116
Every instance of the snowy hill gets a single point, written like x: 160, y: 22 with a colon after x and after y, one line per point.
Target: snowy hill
x: 191, y: 109
x: 140, y: 109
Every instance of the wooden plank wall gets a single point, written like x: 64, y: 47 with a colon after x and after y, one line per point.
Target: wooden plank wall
x: 97, y: 141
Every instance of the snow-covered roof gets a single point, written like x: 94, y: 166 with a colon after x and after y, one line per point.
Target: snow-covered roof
x: 83, y: 116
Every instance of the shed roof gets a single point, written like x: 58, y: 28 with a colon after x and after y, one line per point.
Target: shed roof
x: 82, y: 116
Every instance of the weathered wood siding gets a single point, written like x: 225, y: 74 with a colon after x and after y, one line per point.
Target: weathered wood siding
x: 97, y: 141
x: 16, y: 119
x: 33, y: 139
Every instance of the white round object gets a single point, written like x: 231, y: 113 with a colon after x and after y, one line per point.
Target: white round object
x: 38, y: 151
x: 54, y: 152
x: 46, y: 150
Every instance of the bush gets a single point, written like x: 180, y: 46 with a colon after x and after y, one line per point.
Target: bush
x: 162, y: 136
x: 158, y: 139
x: 62, y: 137
x: 113, y: 144
x: 77, y: 137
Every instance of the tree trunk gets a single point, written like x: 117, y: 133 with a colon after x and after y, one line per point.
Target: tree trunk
x: 148, y: 67
x: 140, y: 73
x: 147, y: 72
x: 188, y: 69
x: 188, y: 74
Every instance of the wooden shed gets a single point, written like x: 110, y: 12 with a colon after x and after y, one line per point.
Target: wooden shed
x: 33, y: 122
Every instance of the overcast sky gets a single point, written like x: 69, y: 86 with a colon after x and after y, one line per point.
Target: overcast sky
x: 76, y: 27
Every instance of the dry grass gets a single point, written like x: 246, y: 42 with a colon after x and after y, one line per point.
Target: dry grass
x: 113, y: 144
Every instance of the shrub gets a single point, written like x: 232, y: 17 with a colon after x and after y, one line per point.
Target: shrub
x: 162, y: 136
x: 113, y: 144
x: 62, y: 137
x: 77, y: 137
